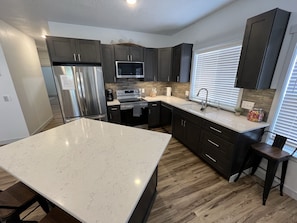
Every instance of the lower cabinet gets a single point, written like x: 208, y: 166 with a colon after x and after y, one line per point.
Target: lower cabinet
x: 222, y: 148
x: 114, y: 114
x: 186, y: 128
x: 154, y: 114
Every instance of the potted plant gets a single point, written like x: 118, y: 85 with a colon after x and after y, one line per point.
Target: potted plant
x: 238, y: 111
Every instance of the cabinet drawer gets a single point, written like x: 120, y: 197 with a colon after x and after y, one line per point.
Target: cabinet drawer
x: 220, y: 131
x: 218, y: 147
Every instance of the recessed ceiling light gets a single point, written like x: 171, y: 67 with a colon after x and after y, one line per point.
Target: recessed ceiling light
x: 131, y: 2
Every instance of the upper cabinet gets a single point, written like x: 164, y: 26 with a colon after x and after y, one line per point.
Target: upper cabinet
x: 129, y: 53
x: 151, y: 64
x: 164, y: 64
x: 68, y: 50
x: 181, y: 62
x: 108, y: 65
x: 262, y: 42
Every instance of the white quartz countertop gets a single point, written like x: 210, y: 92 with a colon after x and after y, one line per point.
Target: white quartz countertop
x: 96, y: 171
x: 227, y: 119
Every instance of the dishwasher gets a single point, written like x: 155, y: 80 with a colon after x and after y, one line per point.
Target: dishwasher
x: 166, y: 117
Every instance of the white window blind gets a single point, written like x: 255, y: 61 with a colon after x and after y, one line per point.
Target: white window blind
x: 216, y: 71
x: 286, y: 120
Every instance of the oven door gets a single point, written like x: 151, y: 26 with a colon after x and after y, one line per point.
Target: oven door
x: 133, y: 115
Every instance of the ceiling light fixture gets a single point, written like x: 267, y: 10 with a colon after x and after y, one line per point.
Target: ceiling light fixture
x: 131, y: 2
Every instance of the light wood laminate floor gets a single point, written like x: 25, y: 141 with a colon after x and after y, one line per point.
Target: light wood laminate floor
x: 190, y: 191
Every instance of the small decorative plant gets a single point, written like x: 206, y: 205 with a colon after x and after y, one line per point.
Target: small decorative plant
x: 238, y: 110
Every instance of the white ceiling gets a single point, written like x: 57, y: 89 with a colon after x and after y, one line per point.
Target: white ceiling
x: 164, y: 17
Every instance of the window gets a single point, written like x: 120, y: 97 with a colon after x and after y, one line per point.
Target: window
x: 216, y: 71
x: 285, y: 121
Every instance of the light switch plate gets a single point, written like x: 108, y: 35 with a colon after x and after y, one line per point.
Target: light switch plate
x: 247, y: 105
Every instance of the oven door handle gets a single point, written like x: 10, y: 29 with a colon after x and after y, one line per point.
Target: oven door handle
x: 126, y: 107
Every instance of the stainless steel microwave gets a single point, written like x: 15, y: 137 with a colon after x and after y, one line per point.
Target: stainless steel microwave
x: 129, y: 69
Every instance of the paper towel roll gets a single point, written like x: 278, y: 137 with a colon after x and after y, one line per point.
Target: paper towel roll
x: 168, y: 91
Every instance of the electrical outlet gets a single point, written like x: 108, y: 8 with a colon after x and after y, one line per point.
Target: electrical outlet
x: 247, y: 105
x: 6, y: 98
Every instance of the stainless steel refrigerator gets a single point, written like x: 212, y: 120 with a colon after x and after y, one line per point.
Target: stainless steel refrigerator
x: 81, y: 92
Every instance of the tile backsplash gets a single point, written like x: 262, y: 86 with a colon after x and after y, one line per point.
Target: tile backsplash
x: 262, y: 98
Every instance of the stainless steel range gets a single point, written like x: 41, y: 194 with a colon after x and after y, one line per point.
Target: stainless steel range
x: 134, y: 110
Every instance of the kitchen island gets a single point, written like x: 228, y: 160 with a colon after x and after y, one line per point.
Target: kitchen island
x: 95, y: 171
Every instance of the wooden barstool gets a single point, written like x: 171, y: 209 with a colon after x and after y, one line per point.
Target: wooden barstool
x: 274, y: 155
x: 57, y: 215
x: 16, y: 199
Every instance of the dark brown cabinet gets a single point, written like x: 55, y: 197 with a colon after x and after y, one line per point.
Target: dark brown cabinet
x: 154, y: 114
x: 114, y: 114
x: 164, y: 64
x: 151, y: 64
x: 186, y: 128
x: 108, y: 64
x: 181, y: 62
x: 73, y: 51
x: 262, y: 42
x: 225, y: 149
x: 128, y: 53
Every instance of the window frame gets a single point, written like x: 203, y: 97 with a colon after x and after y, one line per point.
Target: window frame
x: 215, y: 103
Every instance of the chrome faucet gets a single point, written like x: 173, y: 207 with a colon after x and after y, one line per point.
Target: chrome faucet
x: 204, y: 105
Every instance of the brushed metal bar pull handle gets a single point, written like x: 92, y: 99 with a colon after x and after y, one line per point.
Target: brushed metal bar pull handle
x: 78, y: 55
x: 154, y: 105
x: 212, y: 128
x: 74, y: 57
x: 114, y: 109
x: 131, y: 57
x: 213, y: 143
x: 185, y: 123
x: 181, y: 122
x: 212, y: 159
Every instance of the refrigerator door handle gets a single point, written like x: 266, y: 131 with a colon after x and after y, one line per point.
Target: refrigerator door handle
x: 97, y: 90
x: 77, y: 92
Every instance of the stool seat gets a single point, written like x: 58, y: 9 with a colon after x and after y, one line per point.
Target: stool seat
x: 270, y: 152
x: 57, y: 215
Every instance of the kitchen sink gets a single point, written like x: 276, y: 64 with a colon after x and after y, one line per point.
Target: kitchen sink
x: 196, y: 108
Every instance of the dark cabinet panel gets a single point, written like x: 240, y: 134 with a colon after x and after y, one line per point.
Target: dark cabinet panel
x: 151, y: 64
x: 262, y: 42
x: 164, y: 64
x: 181, y: 62
x: 68, y: 50
x: 153, y: 114
x: 186, y: 128
x: 108, y: 64
x: 114, y: 114
x: 129, y: 53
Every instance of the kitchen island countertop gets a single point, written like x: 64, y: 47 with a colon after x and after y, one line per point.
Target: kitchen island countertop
x: 96, y: 171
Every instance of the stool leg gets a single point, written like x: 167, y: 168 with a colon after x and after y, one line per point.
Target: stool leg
x: 284, y: 171
x: 243, y: 165
x: 270, y: 173
x: 256, y: 161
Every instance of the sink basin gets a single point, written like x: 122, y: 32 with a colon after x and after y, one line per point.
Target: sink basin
x: 196, y: 108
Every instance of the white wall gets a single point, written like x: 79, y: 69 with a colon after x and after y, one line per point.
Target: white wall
x: 25, y: 71
x: 12, y: 121
x: 108, y: 36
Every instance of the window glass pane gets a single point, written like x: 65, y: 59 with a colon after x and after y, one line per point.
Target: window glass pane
x: 216, y: 71
x: 286, y: 120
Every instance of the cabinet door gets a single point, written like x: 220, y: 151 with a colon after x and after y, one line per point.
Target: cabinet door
x: 261, y: 45
x: 61, y: 49
x: 88, y: 51
x: 136, y: 53
x: 181, y: 65
x: 153, y: 114
x: 164, y: 64
x: 114, y: 114
x: 150, y: 64
x: 121, y: 52
x: 192, y: 136
x: 108, y: 64
x: 178, y: 129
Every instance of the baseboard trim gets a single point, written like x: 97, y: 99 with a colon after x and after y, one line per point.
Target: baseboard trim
x: 40, y: 128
